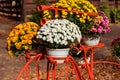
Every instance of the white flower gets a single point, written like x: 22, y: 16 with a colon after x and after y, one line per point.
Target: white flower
x: 45, y: 33
x: 51, y: 41
x: 68, y: 32
x: 72, y: 40
x: 54, y: 30
x: 44, y: 38
x: 55, y: 40
x: 37, y: 37
x: 38, y: 32
x: 60, y: 32
x: 69, y: 37
x: 65, y: 43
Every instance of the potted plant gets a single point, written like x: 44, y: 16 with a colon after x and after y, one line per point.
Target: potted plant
x: 80, y: 12
x: 116, y: 47
x: 98, y: 28
x: 57, y: 36
x: 22, y: 38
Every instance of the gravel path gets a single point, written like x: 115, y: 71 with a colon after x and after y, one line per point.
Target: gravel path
x: 9, y: 67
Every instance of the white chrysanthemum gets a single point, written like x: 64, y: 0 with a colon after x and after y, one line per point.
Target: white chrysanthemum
x: 44, y: 38
x: 55, y: 40
x: 51, y: 41
x: 59, y: 32
x: 65, y: 43
x: 37, y: 37
x: 54, y: 30
x: 69, y: 37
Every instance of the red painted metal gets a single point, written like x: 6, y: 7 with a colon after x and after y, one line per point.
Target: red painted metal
x: 26, y: 67
x: 88, y: 66
x: 45, y: 7
x: 56, y: 10
x: 70, y: 65
x: 69, y: 61
x: 51, y: 68
x: 106, y: 62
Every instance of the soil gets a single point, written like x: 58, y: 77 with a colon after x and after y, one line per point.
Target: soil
x: 10, y: 67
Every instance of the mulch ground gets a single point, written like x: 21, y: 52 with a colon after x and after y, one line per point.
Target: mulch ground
x: 10, y: 67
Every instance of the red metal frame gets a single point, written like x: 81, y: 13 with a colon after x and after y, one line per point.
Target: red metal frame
x: 56, y: 10
x: 26, y: 67
x: 88, y: 66
x: 69, y: 64
x: 69, y: 61
x: 51, y: 67
x: 45, y: 7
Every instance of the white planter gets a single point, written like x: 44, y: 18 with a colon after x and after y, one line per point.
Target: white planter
x: 58, y: 54
x: 91, y: 41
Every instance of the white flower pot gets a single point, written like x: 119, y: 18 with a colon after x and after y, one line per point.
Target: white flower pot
x: 91, y: 41
x: 58, y: 54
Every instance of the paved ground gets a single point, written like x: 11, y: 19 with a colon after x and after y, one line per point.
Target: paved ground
x: 7, y: 64
x: 9, y: 67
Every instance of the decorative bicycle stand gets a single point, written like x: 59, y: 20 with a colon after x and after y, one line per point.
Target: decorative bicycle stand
x: 88, y: 66
x: 69, y: 69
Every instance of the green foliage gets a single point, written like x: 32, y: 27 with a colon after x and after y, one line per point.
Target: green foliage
x: 113, y: 14
x: 117, y: 49
x: 36, y: 15
x: 118, y: 14
x: 38, y: 2
x: 105, y: 8
x: 116, y: 46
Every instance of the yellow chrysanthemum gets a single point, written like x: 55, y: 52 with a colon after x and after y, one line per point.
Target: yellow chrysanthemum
x: 20, y: 26
x: 56, y: 16
x: 21, y: 32
x: 77, y: 16
x: 26, y: 47
x: 80, y: 19
x: 20, y: 36
x: 8, y: 43
x: 71, y: 13
x: 69, y: 8
x: 14, y: 39
x: 18, y: 45
x: 11, y: 34
x: 29, y: 42
x: 10, y: 53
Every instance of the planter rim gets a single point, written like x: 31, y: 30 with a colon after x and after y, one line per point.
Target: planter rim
x: 58, y: 49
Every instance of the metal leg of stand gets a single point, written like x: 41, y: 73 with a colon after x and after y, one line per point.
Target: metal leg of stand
x: 91, y: 63
x: 72, y: 66
x: 77, y: 70
x: 88, y: 66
